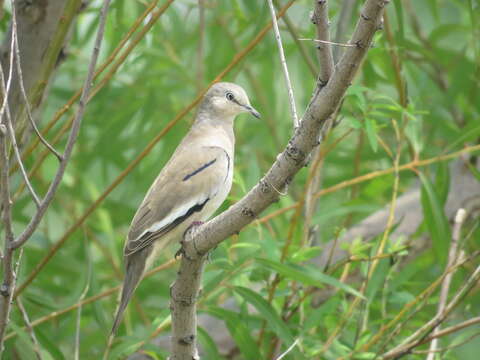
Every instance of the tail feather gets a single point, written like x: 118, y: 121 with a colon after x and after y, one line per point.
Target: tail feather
x: 135, y: 266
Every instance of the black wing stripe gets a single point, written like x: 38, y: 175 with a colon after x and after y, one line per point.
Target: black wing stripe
x: 201, y: 168
x: 149, y: 237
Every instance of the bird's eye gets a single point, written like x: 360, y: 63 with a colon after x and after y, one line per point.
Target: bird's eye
x: 229, y: 96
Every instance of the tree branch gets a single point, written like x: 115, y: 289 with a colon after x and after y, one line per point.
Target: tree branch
x: 325, y: 57
x: 25, y: 235
x: 324, y: 102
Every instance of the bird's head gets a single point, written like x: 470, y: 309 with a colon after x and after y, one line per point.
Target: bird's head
x: 227, y: 99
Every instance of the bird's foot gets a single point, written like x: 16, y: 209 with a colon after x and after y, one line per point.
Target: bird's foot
x: 188, y: 233
x: 179, y: 253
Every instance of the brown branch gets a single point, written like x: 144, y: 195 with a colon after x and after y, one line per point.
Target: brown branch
x: 325, y: 101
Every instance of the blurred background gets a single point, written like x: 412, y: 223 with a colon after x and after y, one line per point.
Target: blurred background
x: 406, y: 135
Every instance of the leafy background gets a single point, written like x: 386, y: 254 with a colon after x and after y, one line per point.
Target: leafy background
x: 415, y: 98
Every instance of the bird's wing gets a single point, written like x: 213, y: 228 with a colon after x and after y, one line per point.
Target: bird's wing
x: 183, y: 187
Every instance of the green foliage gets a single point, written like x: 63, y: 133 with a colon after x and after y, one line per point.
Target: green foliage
x: 434, y: 44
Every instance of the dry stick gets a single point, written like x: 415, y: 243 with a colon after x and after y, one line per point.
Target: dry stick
x: 329, y: 42
x: 303, y: 51
x: 322, y: 105
x: 283, y: 62
x: 237, y: 58
x: 409, y: 343
x: 28, y: 325
x: 452, y: 259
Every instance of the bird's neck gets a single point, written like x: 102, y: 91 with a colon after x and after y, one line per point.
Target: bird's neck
x: 220, y: 131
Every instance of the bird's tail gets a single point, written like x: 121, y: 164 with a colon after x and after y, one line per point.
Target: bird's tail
x: 135, y: 266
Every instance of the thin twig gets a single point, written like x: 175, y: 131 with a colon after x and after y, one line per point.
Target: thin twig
x: 325, y: 57
x: 446, y: 348
x: 410, y: 343
x: 328, y: 42
x: 13, y: 140
x: 293, y: 108
x: 31, y: 227
x: 452, y: 259
x: 22, y: 87
x: 81, y: 298
x: 201, y: 44
x: 290, y: 348
x: 28, y: 325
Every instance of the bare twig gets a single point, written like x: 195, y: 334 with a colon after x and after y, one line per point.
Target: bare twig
x: 325, y: 57
x: 293, y: 108
x: 31, y: 332
x: 6, y: 109
x: 25, y: 235
x: 290, y: 348
x: 328, y: 42
x: 452, y: 259
x: 453, y: 346
x: 22, y: 87
x: 303, y: 51
x: 81, y: 299
x: 13, y: 140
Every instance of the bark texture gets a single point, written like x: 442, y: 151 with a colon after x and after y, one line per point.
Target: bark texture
x: 42, y: 28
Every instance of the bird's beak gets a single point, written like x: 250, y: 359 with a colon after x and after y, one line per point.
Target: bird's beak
x: 252, y: 111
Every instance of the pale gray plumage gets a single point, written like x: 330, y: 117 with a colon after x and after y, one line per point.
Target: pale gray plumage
x: 192, y: 185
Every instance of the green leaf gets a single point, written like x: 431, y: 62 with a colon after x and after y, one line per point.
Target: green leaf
x: 240, y: 333
x: 268, y: 313
x: 437, y: 222
x: 307, y: 275
x: 208, y: 345
x: 371, y: 130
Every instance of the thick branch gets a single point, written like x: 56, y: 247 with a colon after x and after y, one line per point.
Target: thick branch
x: 324, y: 102
x: 326, y: 99
x: 42, y: 27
